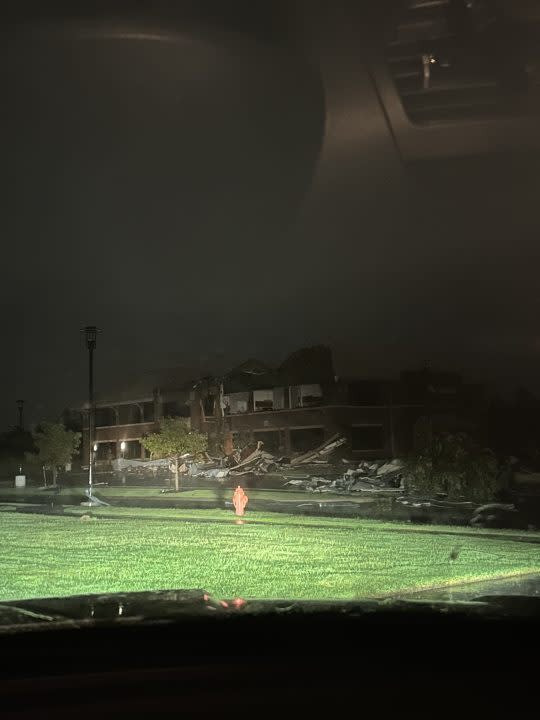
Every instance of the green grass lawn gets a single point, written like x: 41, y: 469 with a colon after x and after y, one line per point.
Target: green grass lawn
x: 281, y: 556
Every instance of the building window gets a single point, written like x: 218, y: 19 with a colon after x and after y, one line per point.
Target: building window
x: 304, y: 439
x: 365, y: 438
x: 133, y: 450
x: 270, y: 438
x: 310, y: 395
x: 279, y: 398
x: 106, y: 451
x: 175, y: 408
x: 148, y: 412
x: 170, y: 409
x: 104, y: 417
x: 208, y: 405
x: 129, y: 414
x: 305, y: 395
x: 236, y: 403
x: 263, y: 400
x: 294, y: 395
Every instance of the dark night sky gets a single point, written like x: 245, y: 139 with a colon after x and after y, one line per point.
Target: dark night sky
x: 204, y: 200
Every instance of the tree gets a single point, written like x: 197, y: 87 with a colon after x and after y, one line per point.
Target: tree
x: 174, y: 441
x: 55, y: 445
x: 453, y: 464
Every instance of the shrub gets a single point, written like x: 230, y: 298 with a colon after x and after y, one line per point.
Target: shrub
x: 453, y: 464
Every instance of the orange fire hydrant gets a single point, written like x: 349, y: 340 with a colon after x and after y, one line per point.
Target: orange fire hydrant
x: 240, y: 500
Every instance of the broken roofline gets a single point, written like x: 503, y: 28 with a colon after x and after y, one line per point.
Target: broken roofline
x: 307, y: 366
x: 310, y: 365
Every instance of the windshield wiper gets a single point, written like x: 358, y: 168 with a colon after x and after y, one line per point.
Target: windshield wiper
x: 18, y: 614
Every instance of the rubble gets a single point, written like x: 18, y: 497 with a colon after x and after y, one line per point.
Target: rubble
x: 367, y: 477
x: 258, y: 461
x: 493, y: 515
x: 123, y: 464
x: 320, y: 452
x: 211, y: 473
x: 93, y: 500
x: 310, y: 471
x: 390, y: 467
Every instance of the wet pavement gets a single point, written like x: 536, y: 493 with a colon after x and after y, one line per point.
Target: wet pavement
x: 525, y: 585
x: 373, y: 506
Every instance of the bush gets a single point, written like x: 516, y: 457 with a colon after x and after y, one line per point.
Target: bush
x: 453, y: 464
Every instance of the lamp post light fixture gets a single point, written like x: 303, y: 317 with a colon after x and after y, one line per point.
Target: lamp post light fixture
x: 90, y: 336
x: 123, y: 446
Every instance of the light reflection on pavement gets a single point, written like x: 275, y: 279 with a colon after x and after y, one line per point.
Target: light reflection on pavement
x: 526, y: 585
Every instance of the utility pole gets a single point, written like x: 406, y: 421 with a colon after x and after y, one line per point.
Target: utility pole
x: 90, y: 334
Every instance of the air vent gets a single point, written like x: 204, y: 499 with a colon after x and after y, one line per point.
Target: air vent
x: 461, y: 59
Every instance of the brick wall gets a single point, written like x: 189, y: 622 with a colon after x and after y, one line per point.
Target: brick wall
x: 396, y: 424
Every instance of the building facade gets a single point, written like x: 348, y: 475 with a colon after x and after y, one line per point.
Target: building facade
x: 125, y: 415
x: 299, y: 405
x: 292, y: 408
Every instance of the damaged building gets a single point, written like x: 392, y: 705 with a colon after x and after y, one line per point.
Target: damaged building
x: 302, y: 403
x: 291, y: 408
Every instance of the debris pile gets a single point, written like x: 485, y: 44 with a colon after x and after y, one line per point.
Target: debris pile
x: 258, y: 461
x: 321, y: 453
x: 142, y: 469
x: 439, y: 500
x: 367, y: 477
x: 127, y: 465
x: 494, y: 515
x: 313, y: 471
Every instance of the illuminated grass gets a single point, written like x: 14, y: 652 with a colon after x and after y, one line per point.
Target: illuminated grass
x: 219, y: 515
x: 46, y: 556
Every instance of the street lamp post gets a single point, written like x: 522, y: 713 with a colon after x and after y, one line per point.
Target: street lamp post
x: 123, y: 451
x: 90, y: 336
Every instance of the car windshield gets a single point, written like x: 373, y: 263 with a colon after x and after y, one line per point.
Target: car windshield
x: 270, y: 301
